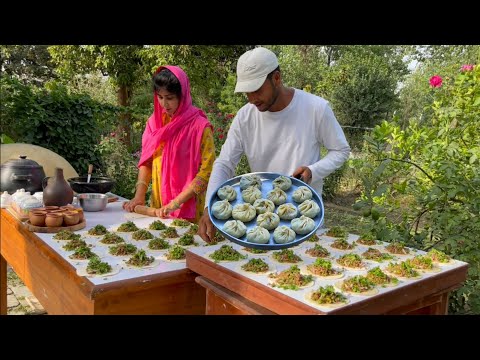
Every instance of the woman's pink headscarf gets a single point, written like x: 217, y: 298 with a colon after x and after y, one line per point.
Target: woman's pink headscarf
x: 182, y: 137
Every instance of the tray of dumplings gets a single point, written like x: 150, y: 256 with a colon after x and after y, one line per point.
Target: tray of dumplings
x: 266, y: 210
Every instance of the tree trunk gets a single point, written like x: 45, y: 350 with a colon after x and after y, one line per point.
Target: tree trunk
x: 124, y: 128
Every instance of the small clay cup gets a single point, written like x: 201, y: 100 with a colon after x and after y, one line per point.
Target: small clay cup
x: 68, y: 207
x: 37, y: 217
x: 71, y: 218
x: 50, y: 208
x: 81, y: 215
x: 54, y: 219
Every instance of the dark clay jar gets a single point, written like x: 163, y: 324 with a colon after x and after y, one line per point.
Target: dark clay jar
x: 57, y: 192
x: 22, y: 173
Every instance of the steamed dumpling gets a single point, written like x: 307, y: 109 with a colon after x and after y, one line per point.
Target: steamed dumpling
x: 287, y: 211
x: 227, y: 192
x: 263, y: 205
x: 258, y: 235
x: 244, y: 212
x: 250, y: 194
x: 303, y: 225
x: 282, y: 182
x: 235, y: 228
x: 309, y: 208
x: 250, y: 180
x: 222, y: 209
x: 301, y: 194
x: 277, y: 196
x: 283, y: 234
x: 268, y: 220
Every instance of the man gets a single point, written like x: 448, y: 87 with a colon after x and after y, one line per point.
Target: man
x: 281, y: 130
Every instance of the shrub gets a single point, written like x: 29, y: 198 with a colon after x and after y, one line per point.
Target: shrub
x: 119, y: 164
x: 68, y: 124
x: 435, y: 164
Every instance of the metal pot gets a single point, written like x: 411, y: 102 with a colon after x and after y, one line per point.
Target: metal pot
x: 22, y: 173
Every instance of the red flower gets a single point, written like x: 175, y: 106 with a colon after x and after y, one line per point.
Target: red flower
x: 467, y: 67
x: 220, y: 136
x: 112, y: 134
x: 436, y: 81
x: 230, y: 116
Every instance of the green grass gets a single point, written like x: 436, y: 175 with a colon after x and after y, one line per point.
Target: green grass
x: 336, y: 217
x: 13, y: 279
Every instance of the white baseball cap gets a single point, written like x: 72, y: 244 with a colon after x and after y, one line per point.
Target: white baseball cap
x: 253, y: 68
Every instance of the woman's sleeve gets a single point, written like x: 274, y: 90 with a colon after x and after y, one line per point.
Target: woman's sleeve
x: 207, y: 148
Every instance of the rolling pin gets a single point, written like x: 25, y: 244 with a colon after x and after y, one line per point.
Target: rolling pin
x: 145, y: 210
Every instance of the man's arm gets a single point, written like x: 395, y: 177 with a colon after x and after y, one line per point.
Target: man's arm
x: 333, y: 138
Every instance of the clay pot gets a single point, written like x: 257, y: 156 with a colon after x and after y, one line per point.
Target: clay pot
x: 53, y: 220
x: 68, y: 207
x: 71, y: 218
x: 21, y: 173
x: 37, y: 218
x: 57, y: 192
x: 57, y: 211
x: 49, y: 208
x: 81, y: 215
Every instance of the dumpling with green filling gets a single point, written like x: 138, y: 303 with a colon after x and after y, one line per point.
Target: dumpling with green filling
x: 244, y: 212
x: 283, y: 234
x: 236, y: 228
x: 287, y: 211
x: 227, y: 192
x: 250, y: 194
x: 309, y: 208
x: 263, y: 205
x: 250, y: 180
x: 302, y: 225
x: 277, y: 196
x: 268, y: 220
x: 301, y: 194
x: 222, y: 209
x: 258, y: 235
x: 282, y: 182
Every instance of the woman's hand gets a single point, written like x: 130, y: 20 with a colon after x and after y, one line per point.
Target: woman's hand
x: 164, y: 211
x: 130, y: 205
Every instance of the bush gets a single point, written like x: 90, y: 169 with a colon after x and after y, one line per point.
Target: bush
x: 435, y: 164
x: 68, y: 124
x: 119, y: 164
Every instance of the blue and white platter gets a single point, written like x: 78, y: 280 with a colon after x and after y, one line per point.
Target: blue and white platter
x: 267, y: 185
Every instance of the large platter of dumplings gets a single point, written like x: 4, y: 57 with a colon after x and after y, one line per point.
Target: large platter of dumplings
x: 266, y: 210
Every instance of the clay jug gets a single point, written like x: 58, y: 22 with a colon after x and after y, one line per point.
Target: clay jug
x: 58, y: 192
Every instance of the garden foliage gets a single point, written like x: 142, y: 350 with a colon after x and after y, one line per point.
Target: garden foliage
x: 433, y: 166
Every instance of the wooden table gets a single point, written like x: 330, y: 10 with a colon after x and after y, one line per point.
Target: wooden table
x: 54, y: 281
x: 230, y: 292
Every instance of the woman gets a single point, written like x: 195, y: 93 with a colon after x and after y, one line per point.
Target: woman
x: 177, y: 150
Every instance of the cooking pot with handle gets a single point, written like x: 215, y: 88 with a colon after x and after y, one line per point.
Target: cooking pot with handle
x: 21, y: 173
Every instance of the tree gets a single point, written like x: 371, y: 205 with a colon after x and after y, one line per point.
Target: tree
x: 361, y: 88
x: 123, y: 65
x: 29, y: 63
x: 207, y: 66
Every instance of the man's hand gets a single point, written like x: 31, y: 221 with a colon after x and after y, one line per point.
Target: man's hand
x: 206, y: 230
x: 303, y: 173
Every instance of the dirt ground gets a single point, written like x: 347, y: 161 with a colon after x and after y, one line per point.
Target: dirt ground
x: 344, y: 199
